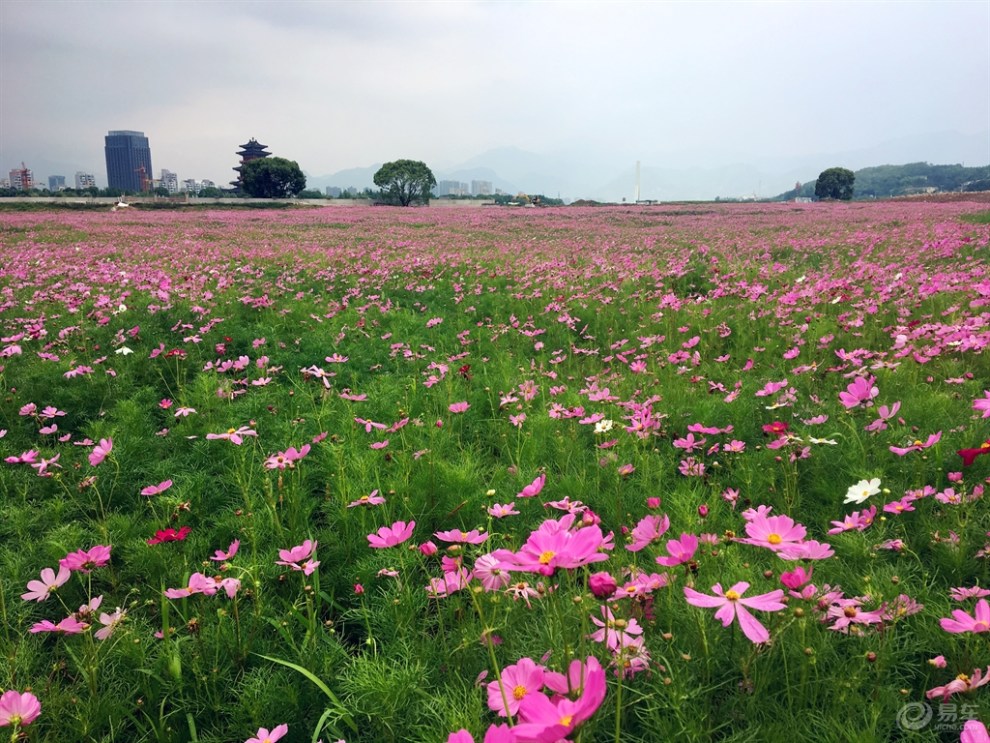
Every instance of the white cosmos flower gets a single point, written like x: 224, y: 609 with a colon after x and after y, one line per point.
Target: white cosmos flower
x: 862, y: 490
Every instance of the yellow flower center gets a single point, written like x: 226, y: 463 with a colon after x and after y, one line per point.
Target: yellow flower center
x: 546, y: 557
x: 964, y: 678
x: 850, y: 611
x: 566, y: 720
x: 732, y: 595
x: 519, y: 692
x: 231, y: 430
x: 15, y: 720
x: 981, y: 626
x: 917, y: 442
x: 774, y: 539
x: 985, y: 445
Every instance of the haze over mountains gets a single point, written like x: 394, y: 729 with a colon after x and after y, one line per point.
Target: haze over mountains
x: 668, y: 175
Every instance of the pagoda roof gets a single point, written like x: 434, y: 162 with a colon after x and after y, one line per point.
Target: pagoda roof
x: 253, y: 147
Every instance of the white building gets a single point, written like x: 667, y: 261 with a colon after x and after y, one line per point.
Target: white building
x: 170, y: 181
x: 481, y: 188
x: 85, y: 180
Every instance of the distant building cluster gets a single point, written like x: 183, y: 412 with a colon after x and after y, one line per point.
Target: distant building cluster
x: 458, y: 188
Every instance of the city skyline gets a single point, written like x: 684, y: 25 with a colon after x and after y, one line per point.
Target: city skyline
x: 592, y: 86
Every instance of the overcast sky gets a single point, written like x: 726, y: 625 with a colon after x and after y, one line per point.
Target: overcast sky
x: 335, y: 85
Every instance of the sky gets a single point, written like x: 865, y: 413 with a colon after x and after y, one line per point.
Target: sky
x: 596, y: 85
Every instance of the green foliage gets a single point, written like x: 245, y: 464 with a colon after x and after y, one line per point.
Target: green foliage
x: 403, y: 182
x: 835, y: 183
x: 272, y: 178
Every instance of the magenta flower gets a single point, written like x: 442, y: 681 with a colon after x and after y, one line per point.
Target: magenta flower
x: 18, y: 709
x: 458, y: 407
x: 170, y: 535
x: 680, y: 550
x: 264, y: 735
x: 456, y: 536
x: 299, y: 557
x: 390, y: 536
x: 602, y: 584
x: 495, y: 734
x: 493, y: 575
x: 100, y: 451
x: 649, y: 529
x: 860, y: 391
x: 68, y: 626
x: 963, y: 622
x: 372, y: 499
x: 546, y: 720
x: 917, y: 445
x: 500, y: 510
x: 553, y: 545
x: 518, y: 681
x: 286, y: 459
x: 198, y: 583
x: 156, y: 489
x: 773, y: 532
x: 86, y: 560
x: 973, y: 731
x: 220, y: 556
x: 960, y: 684
x: 40, y: 590
x: 731, y: 605
x: 982, y: 405
x: 534, y: 488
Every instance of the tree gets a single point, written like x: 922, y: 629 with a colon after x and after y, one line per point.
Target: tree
x: 404, y: 181
x: 835, y: 183
x: 272, y: 178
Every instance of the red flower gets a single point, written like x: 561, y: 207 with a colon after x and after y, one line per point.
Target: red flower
x: 968, y: 455
x: 169, y: 535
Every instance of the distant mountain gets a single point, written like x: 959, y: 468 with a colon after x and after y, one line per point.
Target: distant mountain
x: 359, y: 178
x: 884, y: 181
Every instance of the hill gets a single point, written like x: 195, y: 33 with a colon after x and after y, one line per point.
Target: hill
x: 885, y: 181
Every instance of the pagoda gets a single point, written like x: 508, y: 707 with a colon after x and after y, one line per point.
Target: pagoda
x: 251, y: 150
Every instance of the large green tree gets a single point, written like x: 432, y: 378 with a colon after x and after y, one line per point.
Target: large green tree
x: 404, y: 181
x: 835, y: 183
x: 272, y: 178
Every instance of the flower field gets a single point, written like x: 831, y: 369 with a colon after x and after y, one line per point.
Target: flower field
x: 691, y: 473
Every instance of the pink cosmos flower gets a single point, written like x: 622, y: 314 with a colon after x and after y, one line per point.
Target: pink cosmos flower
x: 534, y: 488
x: 458, y: 407
x: 846, y: 612
x: 40, y: 590
x: 973, y: 731
x: 286, y: 459
x: 299, y: 557
x: 372, y: 499
x: 86, y: 560
x: 198, y: 583
x: 960, y: 684
x: 495, y: 734
x: 18, y: 709
x: 731, y: 605
x: 390, y: 536
x: 544, y: 720
x: 963, y: 622
x: 518, y: 681
x: 680, y: 550
x: 220, y: 556
x: 917, y: 445
x: 68, y: 626
x: 858, y: 520
x: 860, y: 391
x: 553, y: 545
x: 109, y: 622
x: 233, y: 435
x: 489, y: 570
x: 649, y: 529
x: 773, y: 532
x: 809, y: 550
x: 100, y: 451
x: 612, y: 631
x: 973, y: 592
x: 158, y: 489
x: 264, y: 735
x: 499, y: 510
x: 456, y: 536
x: 982, y: 405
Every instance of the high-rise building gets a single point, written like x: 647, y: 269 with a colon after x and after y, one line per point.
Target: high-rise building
x: 85, y: 180
x: 56, y: 183
x: 128, y: 161
x: 21, y: 179
x: 170, y: 181
x: 481, y: 188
